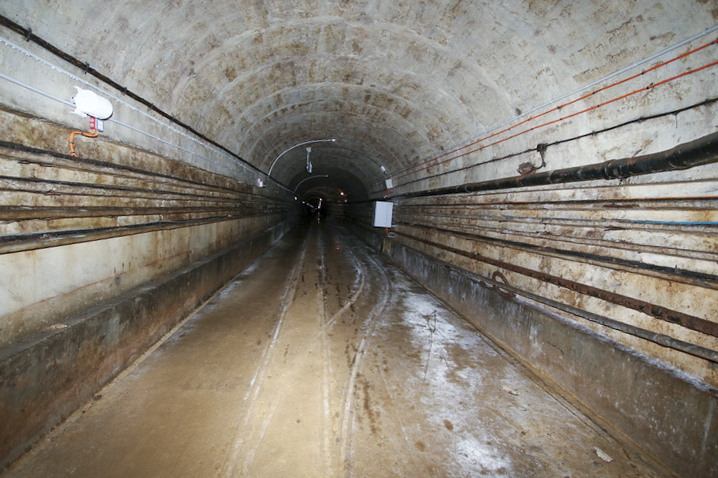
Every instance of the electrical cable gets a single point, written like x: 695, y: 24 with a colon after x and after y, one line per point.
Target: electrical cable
x: 104, y: 93
x: 561, y: 141
x: 411, y: 169
x: 542, y: 125
x: 649, y: 87
x: 208, y: 144
x: 111, y: 120
x: 120, y: 123
x: 29, y: 36
x: 35, y: 90
x: 594, y: 83
x: 94, y: 134
x: 558, y: 108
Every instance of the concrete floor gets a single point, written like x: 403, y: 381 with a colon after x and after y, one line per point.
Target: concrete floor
x: 323, y: 360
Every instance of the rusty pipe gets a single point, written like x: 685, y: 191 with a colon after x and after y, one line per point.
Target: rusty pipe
x: 663, y: 313
x: 694, y: 153
x: 660, y: 339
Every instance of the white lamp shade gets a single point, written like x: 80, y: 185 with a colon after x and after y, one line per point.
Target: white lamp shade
x: 89, y: 103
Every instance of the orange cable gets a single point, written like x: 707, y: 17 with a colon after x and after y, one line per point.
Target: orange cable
x: 556, y: 108
x: 646, y: 88
x: 72, y: 139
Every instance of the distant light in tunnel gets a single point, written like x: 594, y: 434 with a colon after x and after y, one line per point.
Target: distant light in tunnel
x: 383, y: 169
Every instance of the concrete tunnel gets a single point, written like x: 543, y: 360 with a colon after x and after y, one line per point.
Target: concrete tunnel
x: 192, y: 282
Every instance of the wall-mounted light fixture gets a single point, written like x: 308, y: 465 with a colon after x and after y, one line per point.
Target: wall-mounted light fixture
x: 88, y: 103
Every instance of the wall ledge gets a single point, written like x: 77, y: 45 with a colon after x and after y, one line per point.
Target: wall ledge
x: 48, y: 375
x: 670, y: 417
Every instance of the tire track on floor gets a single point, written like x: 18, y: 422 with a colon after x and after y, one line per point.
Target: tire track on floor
x: 348, y: 419
x: 239, y: 442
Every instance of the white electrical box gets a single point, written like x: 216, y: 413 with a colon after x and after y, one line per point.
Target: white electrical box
x: 382, y: 213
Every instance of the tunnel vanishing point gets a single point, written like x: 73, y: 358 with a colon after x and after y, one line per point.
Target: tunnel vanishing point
x: 551, y: 166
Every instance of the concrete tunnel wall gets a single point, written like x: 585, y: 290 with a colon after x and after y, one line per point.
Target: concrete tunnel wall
x: 455, y: 102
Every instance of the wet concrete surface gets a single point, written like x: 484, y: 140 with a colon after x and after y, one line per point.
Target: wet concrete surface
x: 324, y: 360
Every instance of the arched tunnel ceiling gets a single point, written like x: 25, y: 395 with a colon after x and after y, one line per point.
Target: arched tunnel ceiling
x: 392, y: 82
